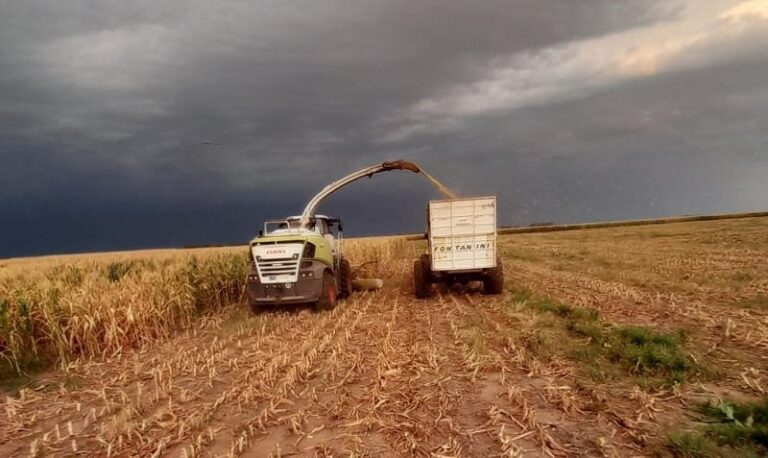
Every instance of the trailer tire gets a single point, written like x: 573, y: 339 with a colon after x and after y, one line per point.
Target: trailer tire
x: 427, y: 266
x: 494, y: 279
x: 422, y: 277
x: 328, y: 295
x: 345, y: 279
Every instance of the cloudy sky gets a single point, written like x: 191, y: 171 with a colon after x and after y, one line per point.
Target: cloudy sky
x: 147, y: 123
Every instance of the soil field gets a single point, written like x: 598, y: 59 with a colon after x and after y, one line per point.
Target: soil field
x: 607, y: 342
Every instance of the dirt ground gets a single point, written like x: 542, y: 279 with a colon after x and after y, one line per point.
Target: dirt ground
x: 460, y: 374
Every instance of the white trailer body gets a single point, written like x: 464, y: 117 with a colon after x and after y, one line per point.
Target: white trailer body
x: 462, y: 246
x: 462, y: 234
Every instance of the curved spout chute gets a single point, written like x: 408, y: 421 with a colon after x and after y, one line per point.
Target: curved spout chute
x: 309, y: 210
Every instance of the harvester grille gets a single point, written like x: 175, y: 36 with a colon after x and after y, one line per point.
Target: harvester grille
x: 279, y: 270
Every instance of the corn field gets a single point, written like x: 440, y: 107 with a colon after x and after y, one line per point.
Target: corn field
x: 58, y: 310
x: 600, y: 345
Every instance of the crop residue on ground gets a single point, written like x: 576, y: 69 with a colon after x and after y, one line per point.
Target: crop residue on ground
x: 621, y: 341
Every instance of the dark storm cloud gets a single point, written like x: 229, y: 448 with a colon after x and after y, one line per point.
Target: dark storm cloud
x: 253, y: 77
x: 148, y: 124
x: 681, y: 143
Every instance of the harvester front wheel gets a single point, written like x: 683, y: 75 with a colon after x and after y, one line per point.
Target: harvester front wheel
x: 494, y: 280
x: 421, y: 278
x: 345, y: 278
x: 327, y: 300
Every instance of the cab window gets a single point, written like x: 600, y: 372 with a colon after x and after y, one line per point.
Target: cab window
x: 321, y: 226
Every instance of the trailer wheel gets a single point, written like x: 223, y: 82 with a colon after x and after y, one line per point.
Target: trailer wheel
x: 345, y: 279
x: 421, y: 277
x: 427, y: 266
x: 494, y: 279
x: 327, y: 300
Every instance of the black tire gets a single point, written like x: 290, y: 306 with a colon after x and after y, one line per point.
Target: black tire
x: 494, y: 279
x: 345, y: 279
x: 328, y: 294
x: 422, y: 282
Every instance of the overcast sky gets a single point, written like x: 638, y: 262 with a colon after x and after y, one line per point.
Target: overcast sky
x: 131, y: 124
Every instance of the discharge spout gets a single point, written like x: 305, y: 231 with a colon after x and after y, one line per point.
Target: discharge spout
x: 309, y: 210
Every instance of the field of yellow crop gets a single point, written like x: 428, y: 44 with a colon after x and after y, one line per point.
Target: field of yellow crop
x: 56, y: 308
x: 608, y: 342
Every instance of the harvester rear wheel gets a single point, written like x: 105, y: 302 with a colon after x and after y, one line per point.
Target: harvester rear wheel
x: 494, y: 280
x: 345, y: 278
x: 422, y: 282
x: 327, y: 300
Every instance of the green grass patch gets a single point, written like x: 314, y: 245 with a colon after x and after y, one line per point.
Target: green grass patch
x: 689, y: 445
x: 591, y: 329
x: 648, y: 352
x: 656, y: 358
x: 565, y: 310
x: 729, y: 429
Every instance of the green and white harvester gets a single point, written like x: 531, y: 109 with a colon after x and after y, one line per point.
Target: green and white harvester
x: 300, y: 259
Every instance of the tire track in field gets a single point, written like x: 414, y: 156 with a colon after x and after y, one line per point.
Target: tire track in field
x: 404, y: 398
x: 211, y: 380
x: 381, y: 394
x: 329, y: 407
x: 126, y: 423
x: 310, y: 417
x: 510, y: 426
x: 279, y: 398
x: 535, y: 400
x: 123, y: 388
x: 397, y: 393
x: 198, y: 421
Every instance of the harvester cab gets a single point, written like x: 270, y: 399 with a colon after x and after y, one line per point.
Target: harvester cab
x: 301, y: 259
